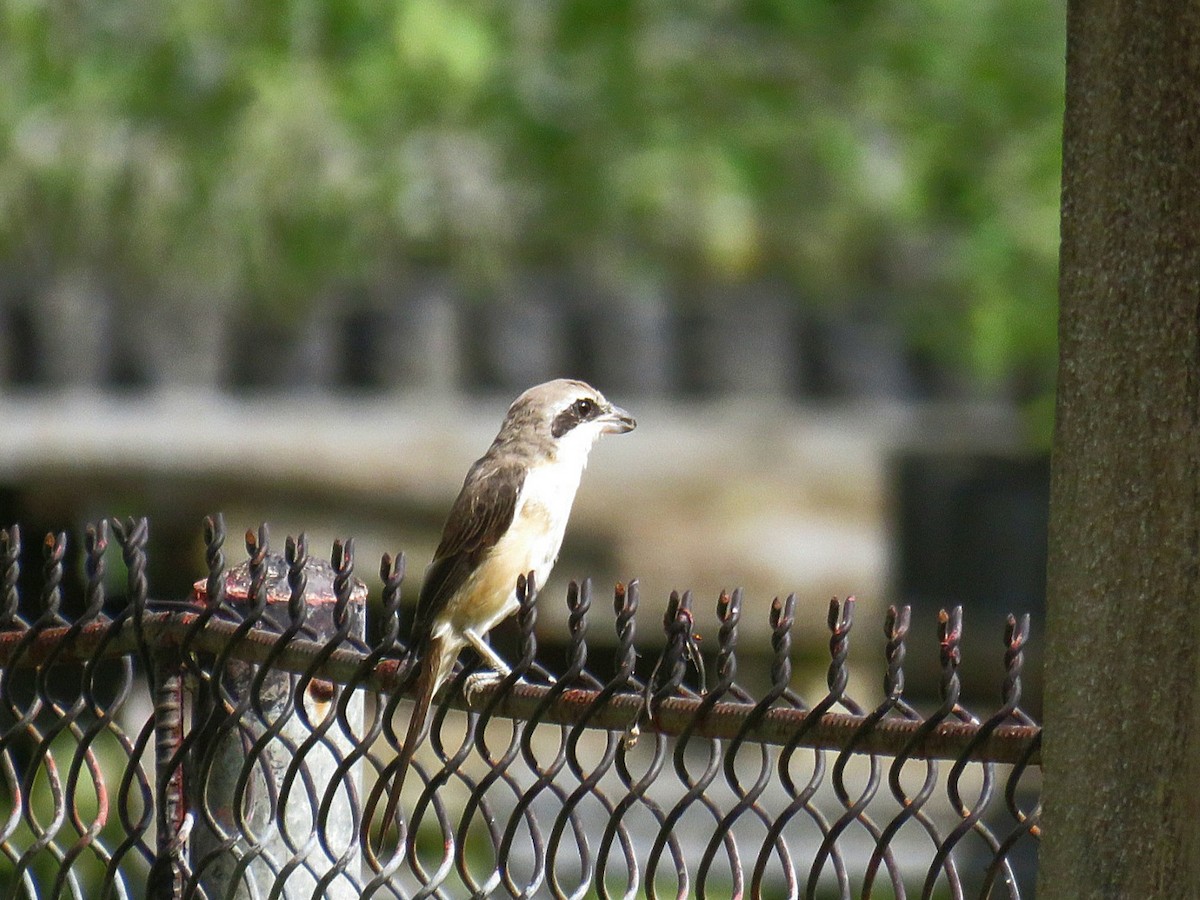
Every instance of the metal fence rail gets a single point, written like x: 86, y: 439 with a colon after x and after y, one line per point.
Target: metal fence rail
x: 241, y: 743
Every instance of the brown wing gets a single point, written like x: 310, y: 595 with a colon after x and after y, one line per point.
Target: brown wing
x: 479, y: 518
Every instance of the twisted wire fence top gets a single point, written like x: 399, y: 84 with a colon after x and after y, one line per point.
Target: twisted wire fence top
x: 240, y: 743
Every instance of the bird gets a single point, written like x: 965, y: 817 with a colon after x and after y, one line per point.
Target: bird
x: 507, y: 521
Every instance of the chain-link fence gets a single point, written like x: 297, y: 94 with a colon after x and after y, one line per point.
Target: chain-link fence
x: 241, y: 743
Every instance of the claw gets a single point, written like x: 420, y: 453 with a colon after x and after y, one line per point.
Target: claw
x: 477, y: 682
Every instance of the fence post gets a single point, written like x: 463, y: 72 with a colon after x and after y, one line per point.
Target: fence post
x: 270, y: 747
x: 1122, y: 739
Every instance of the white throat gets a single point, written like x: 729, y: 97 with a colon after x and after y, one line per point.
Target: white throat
x: 573, y: 447
x: 547, y: 497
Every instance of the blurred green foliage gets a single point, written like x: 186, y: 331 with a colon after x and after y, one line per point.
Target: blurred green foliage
x: 225, y: 152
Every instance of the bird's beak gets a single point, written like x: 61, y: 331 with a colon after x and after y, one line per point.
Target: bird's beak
x: 617, y: 421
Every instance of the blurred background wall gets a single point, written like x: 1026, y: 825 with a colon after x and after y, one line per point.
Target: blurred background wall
x: 291, y: 261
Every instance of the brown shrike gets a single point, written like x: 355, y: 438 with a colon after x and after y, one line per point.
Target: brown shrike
x: 508, y: 521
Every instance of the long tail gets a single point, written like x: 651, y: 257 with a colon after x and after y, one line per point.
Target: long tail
x: 429, y: 679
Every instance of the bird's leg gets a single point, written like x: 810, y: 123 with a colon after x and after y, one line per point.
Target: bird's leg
x: 480, y: 680
x: 489, y: 655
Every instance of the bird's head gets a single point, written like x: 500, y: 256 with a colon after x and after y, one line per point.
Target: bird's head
x: 563, y: 417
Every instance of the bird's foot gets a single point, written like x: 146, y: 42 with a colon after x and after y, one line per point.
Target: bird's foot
x: 477, y: 682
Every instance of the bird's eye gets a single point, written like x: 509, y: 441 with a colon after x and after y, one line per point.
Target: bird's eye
x: 585, y: 407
